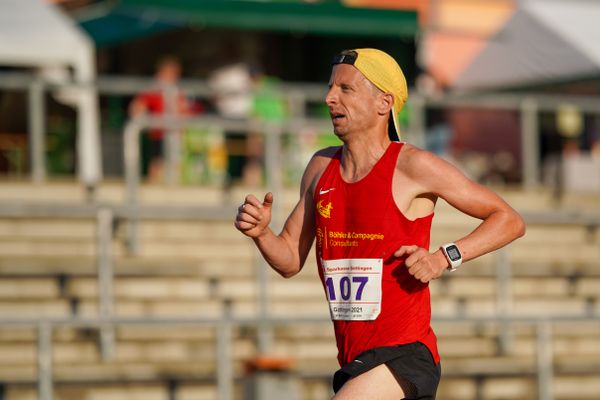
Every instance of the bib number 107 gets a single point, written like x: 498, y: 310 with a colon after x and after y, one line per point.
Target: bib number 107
x: 345, y: 286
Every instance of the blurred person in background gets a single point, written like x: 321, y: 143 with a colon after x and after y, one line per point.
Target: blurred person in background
x: 242, y: 91
x: 164, y: 98
x: 370, y: 204
x: 231, y: 86
x: 270, y: 106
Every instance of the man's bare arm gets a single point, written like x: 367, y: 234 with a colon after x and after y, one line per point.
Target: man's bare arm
x: 500, y: 225
x: 286, y: 252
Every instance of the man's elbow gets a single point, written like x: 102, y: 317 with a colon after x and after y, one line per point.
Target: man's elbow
x: 287, y: 270
x: 289, y: 273
x: 518, y: 226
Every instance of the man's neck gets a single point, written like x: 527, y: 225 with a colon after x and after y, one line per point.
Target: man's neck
x: 360, y: 155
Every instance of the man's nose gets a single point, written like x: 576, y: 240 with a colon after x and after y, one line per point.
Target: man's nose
x: 331, y: 97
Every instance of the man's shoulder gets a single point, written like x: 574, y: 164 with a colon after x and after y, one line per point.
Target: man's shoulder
x: 319, y: 161
x: 414, y: 160
x: 327, y: 152
x: 322, y: 157
x: 410, y: 154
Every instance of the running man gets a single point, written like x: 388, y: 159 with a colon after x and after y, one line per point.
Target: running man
x: 369, y: 204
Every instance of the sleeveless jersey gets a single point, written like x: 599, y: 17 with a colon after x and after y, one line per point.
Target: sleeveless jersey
x: 373, y: 299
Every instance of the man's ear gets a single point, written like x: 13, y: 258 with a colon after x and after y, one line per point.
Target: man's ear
x: 386, y: 102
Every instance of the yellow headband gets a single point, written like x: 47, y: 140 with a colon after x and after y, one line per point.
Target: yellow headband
x: 383, y: 72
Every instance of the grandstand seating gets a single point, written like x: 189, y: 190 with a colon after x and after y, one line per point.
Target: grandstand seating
x: 206, y: 268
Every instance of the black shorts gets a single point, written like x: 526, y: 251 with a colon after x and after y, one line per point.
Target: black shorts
x: 411, y: 363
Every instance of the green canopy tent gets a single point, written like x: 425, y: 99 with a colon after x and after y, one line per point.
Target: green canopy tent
x: 114, y: 22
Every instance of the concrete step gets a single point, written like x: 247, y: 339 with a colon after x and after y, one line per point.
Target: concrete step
x: 29, y: 289
x: 191, y: 231
x: 557, y: 253
x: 509, y: 388
x: 55, y: 247
x: 577, y: 387
x: 123, y: 372
x: 85, y: 229
x: 169, y: 308
x: 118, y: 391
x: 467, y: 347
x: 588, y: 287
x: 142, y: 288
x: 549, y: 286
x: 28, y: 309
x: 180, y: 266
x: 110, y: 192
x: 530, y: 307
x: 463, y: 285
x: 457, y: 388
x: 33, y: 229
x: 494, y: 365
x: 537, y: 235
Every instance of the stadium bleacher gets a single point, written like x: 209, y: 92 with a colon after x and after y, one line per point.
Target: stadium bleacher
x: 206, y: 269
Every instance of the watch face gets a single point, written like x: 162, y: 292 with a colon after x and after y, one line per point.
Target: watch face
x: 453, y: 253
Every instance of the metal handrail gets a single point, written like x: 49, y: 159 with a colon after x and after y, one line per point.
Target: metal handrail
x: 132, y: 84
x: 527, y: 104
x: 225, y: 375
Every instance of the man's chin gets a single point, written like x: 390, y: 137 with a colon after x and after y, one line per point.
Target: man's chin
x: 339, y: 133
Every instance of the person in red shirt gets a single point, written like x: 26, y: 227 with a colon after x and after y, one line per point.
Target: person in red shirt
x: 163, y: 98
x: 369, y: 204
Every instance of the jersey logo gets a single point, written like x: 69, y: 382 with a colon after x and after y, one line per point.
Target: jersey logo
x: 324, y: 211
x: 322, y: 192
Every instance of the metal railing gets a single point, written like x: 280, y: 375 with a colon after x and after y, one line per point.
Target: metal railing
x: 225, y: 376
x: 273, y: 160
x: 106, y: 322
x: 528, y: 105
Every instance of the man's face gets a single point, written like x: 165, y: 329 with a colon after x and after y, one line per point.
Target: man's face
x: 351, y: 100
x: 169, y: 72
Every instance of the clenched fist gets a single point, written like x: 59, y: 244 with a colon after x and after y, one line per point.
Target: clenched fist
x: 421, y: 264
x: 254, y: 216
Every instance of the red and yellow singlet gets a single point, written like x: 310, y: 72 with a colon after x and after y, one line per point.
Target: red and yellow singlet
x: 373, y: 299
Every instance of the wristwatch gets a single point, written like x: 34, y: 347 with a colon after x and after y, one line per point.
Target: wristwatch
x: 453, y: 255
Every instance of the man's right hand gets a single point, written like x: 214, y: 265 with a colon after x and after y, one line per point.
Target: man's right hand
x: 254, y: 216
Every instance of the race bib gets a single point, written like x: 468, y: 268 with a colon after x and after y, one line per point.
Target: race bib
x: 353, y: 287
